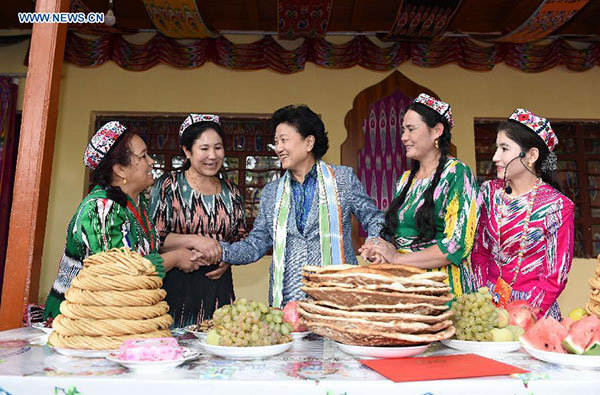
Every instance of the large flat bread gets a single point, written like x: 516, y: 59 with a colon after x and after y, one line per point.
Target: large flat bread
x: 413, y: 308
x: 394, y: 287
x: 393, y: 269
x: 378, y: 326
x: 351, y: 297
x: 311, y: 307
x: 327, y: 269
x: 374, y: 338
x: 430, y: 279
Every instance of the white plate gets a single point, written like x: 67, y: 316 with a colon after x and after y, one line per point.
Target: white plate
x: 246, y: 352
x: 489, y: 347
x: 70, y: 352
x: 199, y: 335
x: 299, y: 335
x: 153, y: 366
x: 583, y: 361
x: 382, y: 351
x: 40, y: 326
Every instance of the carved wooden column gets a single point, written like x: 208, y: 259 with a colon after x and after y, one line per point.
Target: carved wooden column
x: 34, y: 167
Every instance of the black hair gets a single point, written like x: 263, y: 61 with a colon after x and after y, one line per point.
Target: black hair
x: 119, y: 153
x: 193, y: 132
x: 424, y: 217
x: 527, y: 139
x: 307, y: 122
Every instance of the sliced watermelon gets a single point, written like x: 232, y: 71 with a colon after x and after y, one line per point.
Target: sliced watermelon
x: 593, y: 348
x: 567, y: 322
x: 547, y: 335
x: 581, y: 334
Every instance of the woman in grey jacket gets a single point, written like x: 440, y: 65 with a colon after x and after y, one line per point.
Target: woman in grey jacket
x: 305, y: 216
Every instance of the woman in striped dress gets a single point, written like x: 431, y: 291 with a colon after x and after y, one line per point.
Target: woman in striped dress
x: 431, y: 221
x: 193, y: 208
x: 524, y: 244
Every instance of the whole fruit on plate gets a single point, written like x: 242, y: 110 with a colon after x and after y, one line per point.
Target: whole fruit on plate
x: 291, y: 316
x: 521, y: 314
x: 577, y: 314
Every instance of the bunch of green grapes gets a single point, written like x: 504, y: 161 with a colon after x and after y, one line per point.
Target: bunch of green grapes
x: 245, y: 324
x: 475, y: 316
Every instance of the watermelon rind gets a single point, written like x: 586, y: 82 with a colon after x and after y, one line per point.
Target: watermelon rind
x: 580, y: 335
x: 572, y: 347
x: 593, y: 350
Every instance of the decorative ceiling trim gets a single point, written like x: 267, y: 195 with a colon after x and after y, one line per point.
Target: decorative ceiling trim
x: 421, y: 19
x: 177, y: 18
x: 549, y: 16
x: 267, y: 53
x: 303, y: 19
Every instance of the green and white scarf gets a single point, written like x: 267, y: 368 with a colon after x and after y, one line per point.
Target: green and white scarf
x: 330, y: 225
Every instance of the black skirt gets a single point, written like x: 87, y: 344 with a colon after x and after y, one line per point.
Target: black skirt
x: 193, y: 297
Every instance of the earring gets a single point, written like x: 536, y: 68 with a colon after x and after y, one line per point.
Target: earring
x: 124, y: 181
x: 437, y: 145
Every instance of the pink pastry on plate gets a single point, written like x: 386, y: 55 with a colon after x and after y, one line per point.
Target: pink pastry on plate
x: 158, y: 349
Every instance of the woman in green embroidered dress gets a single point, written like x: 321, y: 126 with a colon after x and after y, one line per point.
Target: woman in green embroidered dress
x: 432, y: 219
x: 115, y: 213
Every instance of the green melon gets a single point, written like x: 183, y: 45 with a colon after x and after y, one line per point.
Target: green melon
x: 546, y: 334
x: 581, y: 334
x: 594, y: 347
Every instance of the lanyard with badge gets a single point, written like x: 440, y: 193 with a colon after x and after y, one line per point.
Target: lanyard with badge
x: 502, y: 289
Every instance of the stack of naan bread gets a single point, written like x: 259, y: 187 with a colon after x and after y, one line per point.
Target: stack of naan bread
x: 593, y: 306
x: 377, y: 305
x: 115, y: 297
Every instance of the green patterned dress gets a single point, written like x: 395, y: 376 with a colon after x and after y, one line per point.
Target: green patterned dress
x: 100, y: 224
x: 455, y: 210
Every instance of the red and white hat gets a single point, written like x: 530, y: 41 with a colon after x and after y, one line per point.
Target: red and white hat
x: 541, y: 126
x: 441, y: 107
x: 101, y: 143
x: 195, y: 118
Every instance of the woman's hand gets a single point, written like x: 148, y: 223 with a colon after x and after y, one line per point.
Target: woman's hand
x: 217, y: 273
x: 378, y: 250
x: 207, y: 251
x: 185, y: 261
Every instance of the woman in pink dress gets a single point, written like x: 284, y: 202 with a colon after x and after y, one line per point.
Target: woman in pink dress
x: 524, y: 244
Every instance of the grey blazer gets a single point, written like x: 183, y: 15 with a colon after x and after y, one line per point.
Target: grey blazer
x: 305, y: 249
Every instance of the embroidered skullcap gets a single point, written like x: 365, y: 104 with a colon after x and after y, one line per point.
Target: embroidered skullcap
x: 101, y: 143
x: 195, y: 118
x: 540, y: 126
x: 441, y: 107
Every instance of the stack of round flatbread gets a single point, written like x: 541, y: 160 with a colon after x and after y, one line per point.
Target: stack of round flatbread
x: 377, y: 305
x: 593, y: 306
x: 115, y: 297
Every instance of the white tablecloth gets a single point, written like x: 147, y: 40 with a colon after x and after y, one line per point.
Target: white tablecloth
x: 312, y: 365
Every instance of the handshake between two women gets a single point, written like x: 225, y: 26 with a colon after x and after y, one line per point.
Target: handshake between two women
x: 195, y: 251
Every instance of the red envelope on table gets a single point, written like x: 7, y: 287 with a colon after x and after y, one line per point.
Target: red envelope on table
x: 439, y: 367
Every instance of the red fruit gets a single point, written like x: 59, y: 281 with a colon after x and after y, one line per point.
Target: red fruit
x: 581, y: 334
x: 521, y: 314
x: 290, y: 315
x: 547, y: 335
x: 567, y: 322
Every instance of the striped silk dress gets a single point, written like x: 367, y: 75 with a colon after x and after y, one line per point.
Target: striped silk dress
x: 177, y: 208
x: 548, y: 247
x: 455, y: 209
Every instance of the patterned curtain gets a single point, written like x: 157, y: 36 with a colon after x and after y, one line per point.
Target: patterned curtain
x: 383, y: 157
x: 9, y: 141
